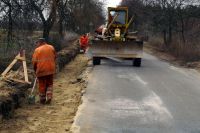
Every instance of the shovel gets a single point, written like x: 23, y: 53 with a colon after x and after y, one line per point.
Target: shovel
x: 31, y: 97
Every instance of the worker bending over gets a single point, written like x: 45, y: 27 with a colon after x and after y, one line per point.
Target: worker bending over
x: 44, y: 63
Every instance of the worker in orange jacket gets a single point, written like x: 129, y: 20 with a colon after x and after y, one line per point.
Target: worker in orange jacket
x: 44, y: 63
x: 84, y: 40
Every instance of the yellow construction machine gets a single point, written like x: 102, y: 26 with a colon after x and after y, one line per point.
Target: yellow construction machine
x: 115, y: 40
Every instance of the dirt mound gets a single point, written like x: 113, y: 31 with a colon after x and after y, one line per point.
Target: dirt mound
x: 12, y: 94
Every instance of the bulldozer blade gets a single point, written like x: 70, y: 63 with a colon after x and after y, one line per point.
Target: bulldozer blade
x: 112, y: 49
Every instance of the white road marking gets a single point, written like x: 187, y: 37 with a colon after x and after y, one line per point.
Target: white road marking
x: 140, y: 80
x: 149, y: 109
x: 124, y: 76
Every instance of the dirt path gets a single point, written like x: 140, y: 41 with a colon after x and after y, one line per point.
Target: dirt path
x: 57, y: 117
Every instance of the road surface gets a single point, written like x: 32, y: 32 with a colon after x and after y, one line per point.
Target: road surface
x: 156, y: 98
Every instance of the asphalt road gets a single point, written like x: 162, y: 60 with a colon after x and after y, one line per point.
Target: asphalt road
x: 155, y: 98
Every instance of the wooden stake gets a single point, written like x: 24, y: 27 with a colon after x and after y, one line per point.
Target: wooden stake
x: 20, y: 57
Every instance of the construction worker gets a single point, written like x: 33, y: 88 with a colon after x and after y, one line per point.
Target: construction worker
x: 44, y: 58
x: 84, y: 40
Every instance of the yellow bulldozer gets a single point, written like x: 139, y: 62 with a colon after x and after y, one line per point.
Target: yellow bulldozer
x: 115, y: 40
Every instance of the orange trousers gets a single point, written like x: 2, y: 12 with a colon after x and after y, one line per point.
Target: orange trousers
x: 84, y: 48
x: 45, y: 88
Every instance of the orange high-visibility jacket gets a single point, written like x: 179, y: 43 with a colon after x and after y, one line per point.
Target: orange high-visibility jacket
x: 44, y: 60
x: 84, y: 41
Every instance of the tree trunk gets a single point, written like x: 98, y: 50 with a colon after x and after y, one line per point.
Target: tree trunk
x: 61, y: 17
x: 165, y: 37
x: 47, y: 24
x: 170, y: 27
x: 61, y: 27
x: 170, y: 34
x: 46, y: 31
x: 10, y: 27
x: 182, y: 29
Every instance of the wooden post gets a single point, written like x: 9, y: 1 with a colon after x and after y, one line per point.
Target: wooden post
x: 20, y: 57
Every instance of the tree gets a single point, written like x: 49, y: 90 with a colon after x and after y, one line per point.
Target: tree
x: 168, y: 17
x: 17, y: 16
x: 42, y: 7
x: 8, y: 11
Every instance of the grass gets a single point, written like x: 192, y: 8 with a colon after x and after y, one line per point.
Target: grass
x: 187, y: 52
x: 25, y: 40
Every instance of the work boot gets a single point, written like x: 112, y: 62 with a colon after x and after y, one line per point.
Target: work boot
x: 42, y: 99
x: 49, y: 95
x: 48, y: 101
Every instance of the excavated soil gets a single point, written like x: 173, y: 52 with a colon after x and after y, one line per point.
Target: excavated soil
x: 12, y: 94
x: 69, y: 86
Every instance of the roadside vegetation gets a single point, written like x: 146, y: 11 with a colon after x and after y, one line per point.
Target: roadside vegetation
x: 172, y: 26
x: 23, y: 21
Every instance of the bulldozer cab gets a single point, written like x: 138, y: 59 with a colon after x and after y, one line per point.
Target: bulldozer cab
x: 121, y: 19
x: 117, y: 22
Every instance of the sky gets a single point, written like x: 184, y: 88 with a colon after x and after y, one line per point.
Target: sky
x: 110, y: 3
x: 113, y: 3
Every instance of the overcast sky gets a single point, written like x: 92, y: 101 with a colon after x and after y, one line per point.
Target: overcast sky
x: 113, y: 3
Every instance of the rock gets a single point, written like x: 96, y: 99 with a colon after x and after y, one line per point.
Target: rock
x: 85, y: 86
x: 60, y: 85
x: 79, y: 78
x: 71, y: 121
x: 82, y: 81
x: 67, y: 129
x: 73, y: 81
x: 49, y: 112
x: 83, y: 92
